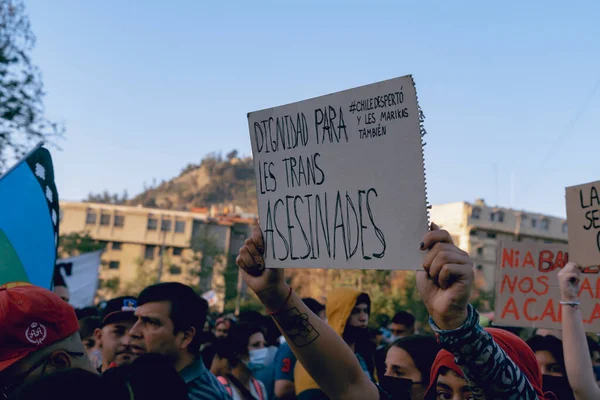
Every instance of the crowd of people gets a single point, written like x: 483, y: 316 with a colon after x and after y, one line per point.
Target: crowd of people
x: 164, y: 344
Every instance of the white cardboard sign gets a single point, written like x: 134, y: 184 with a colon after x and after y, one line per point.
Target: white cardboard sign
x: 340, y: 179
x: 583, y: 216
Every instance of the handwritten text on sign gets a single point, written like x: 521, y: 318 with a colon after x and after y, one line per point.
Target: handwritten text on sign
x: 583, y: 216
x: 527, y: 291
x: 340, y: 179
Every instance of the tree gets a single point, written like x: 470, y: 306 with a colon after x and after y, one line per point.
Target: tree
x: 232, y: 154
x: 107, y: 198
x: 76, y: 243
x: 22, y: 120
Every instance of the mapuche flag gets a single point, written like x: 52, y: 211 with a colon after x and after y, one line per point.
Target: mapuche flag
x: 29, y: 213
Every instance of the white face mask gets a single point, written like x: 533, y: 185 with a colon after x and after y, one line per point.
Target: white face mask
x: 258, y: 358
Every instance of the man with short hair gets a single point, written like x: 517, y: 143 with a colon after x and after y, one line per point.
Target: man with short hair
x: 117, y: 320
x: 39, y: 335
x: 170, y: 319
x: 402, y: 325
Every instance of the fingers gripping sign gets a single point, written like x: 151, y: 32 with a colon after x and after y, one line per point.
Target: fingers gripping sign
x: 568, y: 279
x: 268, y: 283
x: 446, y: 279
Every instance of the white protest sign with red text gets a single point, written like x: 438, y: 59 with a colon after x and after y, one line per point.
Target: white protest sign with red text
x: 527, y: 291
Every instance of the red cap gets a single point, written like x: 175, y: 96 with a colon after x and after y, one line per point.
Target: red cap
x: 32, y: 318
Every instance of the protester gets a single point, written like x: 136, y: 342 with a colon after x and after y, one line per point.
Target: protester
x: 410, y: 360
x: 117, y: 320
x: 285, y: 359
x: 548, y: 351
x: 170, y: 318
x: 578, y: 362
x: 445, y: 286
x: 347, y: 312
x: 150, y: 376
x: 39, y: 335
x: 222, y: 326
x: 66, y: 384
x: 402, y: 325
x: 235, y: 360
x: 87, y: 331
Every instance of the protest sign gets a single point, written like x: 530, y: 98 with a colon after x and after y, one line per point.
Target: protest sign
x: 29, y: 221
x: 527, y: 291
x: 583, y: 216
x: 340, y: 179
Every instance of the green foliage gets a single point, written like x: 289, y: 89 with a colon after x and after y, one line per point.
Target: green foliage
x: 77, y: 243
x: 107, y: 198
x: 22, y: 120
x: 111, y: 284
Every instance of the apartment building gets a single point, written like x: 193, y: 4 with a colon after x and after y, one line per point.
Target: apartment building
x: 144, y: 244
x: 477, y: 228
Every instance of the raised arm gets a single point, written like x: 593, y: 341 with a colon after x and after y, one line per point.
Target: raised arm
x: 324, y: 354
x: 445, y: 286
x: 578, y: 361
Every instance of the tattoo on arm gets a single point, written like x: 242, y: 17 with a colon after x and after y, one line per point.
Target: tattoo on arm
x: 297, y: 327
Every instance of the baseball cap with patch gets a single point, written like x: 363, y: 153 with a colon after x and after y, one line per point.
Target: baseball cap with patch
x: 31, y: 318
x: 119, y: 309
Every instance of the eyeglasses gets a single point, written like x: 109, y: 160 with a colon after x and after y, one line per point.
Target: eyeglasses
x: 6, y: 389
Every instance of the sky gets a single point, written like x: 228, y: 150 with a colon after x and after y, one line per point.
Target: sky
x: 510, y: 90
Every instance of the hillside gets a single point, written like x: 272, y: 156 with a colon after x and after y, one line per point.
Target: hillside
x: 215, y: 181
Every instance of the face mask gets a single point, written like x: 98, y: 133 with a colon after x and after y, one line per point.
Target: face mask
x: 398, y: 388
x: 258, y: 358
x: 597, y: 372
x: 559, y: 386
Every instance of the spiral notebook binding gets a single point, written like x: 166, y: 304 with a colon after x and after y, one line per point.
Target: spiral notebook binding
x: 423, y: 132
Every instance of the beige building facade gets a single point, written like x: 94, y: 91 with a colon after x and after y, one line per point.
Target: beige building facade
x: 145, y: 245
x: 477, y: 228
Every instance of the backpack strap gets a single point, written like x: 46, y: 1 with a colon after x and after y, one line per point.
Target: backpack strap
x: 258, y: 389
x: 225, y: 383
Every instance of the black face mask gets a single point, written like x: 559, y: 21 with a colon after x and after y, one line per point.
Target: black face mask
x: 597, y: 372
x: 558, y: 385
x: 397, y: 388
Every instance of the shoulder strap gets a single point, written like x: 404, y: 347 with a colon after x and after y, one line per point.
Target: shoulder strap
x: 258, y: 389
x: 225, y: 383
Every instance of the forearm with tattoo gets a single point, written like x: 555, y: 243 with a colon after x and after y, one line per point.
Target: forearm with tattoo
x: 297, y: 327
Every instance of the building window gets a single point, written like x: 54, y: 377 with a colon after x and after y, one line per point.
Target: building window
x: 114, y: 265
x: 175, y: 270
x: 475, y: 212
x: 180, y: 226
x: 491, y: 235
x: 533, y: 222
x: 119, y: 220
x: 165, y: 225
x: 149, y: 252
x: 152, y: 224
x: 479, y: 267
x: 500, y: 215
x: 565, y: 228
x: 473, y: 232
x: 497, y: 216
x: 545, y: 224
x: 116, y: 246
x: 90, y: 218
x: 177, y: 251
x: 480, y: 251
x: 104, y: 219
